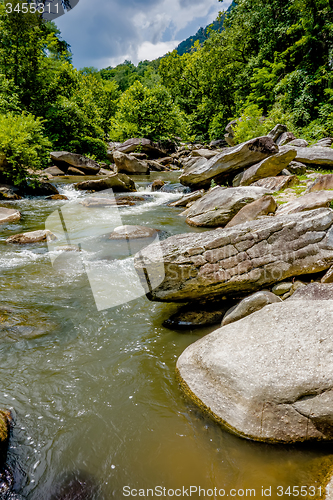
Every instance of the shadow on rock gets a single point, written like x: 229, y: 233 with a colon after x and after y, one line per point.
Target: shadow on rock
x: 77, y: 485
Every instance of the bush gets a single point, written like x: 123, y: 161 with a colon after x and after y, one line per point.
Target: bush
x: 147, y: 112
x: 89, y: 146
x: 24, y: 144
x: 251, y: 124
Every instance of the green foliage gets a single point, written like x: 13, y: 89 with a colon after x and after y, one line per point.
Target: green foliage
x: 89, y: 146
x: 145, y: 112
x: 250, y: 124
x: 23, y: 143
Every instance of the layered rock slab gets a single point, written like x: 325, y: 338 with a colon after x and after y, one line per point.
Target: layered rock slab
x: 240, y: 259
x: 268, y: 377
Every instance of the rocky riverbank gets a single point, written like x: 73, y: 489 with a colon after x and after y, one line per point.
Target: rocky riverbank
x: 256, y: 261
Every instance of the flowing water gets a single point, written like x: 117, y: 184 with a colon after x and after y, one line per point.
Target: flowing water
x: 94, y: 393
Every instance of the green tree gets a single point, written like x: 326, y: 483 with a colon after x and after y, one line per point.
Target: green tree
x: 149, y: 113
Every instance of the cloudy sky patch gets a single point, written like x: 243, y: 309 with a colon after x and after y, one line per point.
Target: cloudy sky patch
x: 106, y: 32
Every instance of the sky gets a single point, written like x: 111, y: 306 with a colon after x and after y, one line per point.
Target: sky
x: 104, y: 33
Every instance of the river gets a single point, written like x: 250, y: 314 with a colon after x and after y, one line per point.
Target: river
x: 94, y: 393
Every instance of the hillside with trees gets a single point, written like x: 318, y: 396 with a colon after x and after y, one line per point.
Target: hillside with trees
x: 271, y: 62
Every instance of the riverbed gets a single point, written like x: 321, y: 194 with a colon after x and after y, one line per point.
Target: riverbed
x: 94, y: 393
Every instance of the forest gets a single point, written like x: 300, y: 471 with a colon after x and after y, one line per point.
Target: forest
x: 269, y: 62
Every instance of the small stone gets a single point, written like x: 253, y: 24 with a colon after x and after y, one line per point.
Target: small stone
x: 282, y: 288
x: 249, y: 305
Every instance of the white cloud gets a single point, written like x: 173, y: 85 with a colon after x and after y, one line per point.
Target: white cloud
x: 150, y: 51
x: 106, y: 32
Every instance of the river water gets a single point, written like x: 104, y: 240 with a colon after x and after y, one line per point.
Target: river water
x: 93, y: 392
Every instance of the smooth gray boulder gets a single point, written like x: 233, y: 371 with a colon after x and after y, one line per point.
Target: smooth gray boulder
x: 199, y: 175
x: 282, y: 288
x: 54, y: 171
x: 118, y: 182
x: 264, y: 206
x: 268, y: 377
x: 9, y: 215
x: 312, y: 156
x: 240, y: 259
x: 220, y: 205
x: 309, y: 201
x: 249, y: 305
x: 81, y: 162
x: 32, y: 237
x: 269, y: 167
x: 204, y: 153
x: 127, y: 164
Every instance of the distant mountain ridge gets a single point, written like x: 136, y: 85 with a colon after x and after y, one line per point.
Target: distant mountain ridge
x: 201, y: 35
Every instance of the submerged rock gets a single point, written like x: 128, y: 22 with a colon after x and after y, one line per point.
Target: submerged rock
x: 249, y: 305
x: 157, y: 185
x: 32, y: 237
x: 118, y: 182
x: 9, y: 215
x: 133, y: 232
x: 227, y: 162
x: 260, y: 377
x: 244, y: 258
x: 57, y: 197
x: 220, y: 205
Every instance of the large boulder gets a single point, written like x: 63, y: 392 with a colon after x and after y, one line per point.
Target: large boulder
x: 323, y: 182
x: 54, y: 171
x: 277, y: 131
x: 127, y: 164
x: 264, y: 206
x: 241, y: 259
x: 41, y: 188
x: 153, y: 149
x: 269, y: 167
x: 268, y: 377
x: 9, y: 215
x: 299, y: 143
x: 285, y: 138
x: 220, y: 205
x: 308, y: 201
x: 275, y: 184
x: 32, y: 237
x: 63, y: 158
x: 117, y: 182
x: 314, y: 291
x: 325, y: 143
x: 230, y: 160
x: 249, y: 305
x: 312, y: 156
